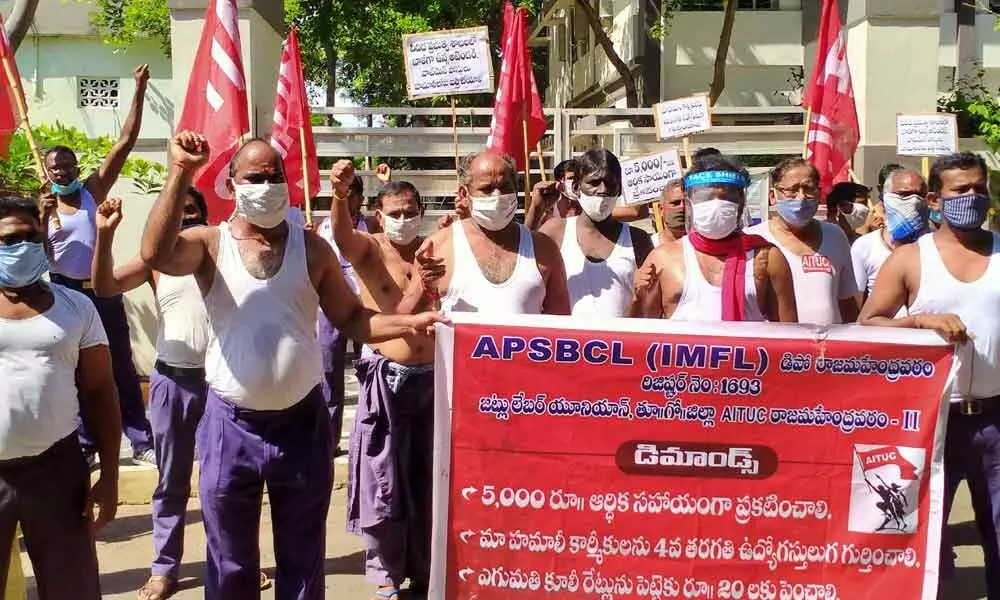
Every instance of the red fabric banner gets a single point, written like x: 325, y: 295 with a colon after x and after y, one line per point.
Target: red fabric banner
x: 9, y: 97
x: 833, y: 128
x: 736, y: 460
x: 216, y: 103
x: 517, y: 98
x: 291, y: 123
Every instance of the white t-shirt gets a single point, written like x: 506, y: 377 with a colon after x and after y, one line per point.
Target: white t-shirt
x: 868, y: 254
x: 821, y: 280
x: 38, y: 360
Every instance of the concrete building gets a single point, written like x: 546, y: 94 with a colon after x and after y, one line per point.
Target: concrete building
x: 903, y: 54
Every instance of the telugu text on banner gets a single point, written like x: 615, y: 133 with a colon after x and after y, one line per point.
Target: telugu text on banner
x: 662, y: 460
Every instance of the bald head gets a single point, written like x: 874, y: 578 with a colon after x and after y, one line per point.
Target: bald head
x: 905, y: 182
x: 256, y: 162
x: 488, y: 172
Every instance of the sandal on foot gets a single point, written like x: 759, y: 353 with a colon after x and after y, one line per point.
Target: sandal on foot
x: 265, y: 582
x: 158, y: 587
x: 386, y: 593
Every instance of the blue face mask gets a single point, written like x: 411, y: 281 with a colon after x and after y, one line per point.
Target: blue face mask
x: 22, y: 264
x: 66, y: 190
x: 797, y: 213
x: 905, y: 216
x: 935, y: 217
x: 966, y: 212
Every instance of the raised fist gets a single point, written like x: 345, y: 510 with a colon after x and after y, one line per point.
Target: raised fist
x: 189, y: 150
x: 341, y: 176
x: 109, y: 214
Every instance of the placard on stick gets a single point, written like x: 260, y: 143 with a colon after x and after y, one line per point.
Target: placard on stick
x: 682, y: 117
x: 644, y: 178
x: 931, y: 134
x: 448, y: 63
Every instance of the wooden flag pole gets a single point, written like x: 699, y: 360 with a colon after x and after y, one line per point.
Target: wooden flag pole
x: 305, y: 176
x: 454, y: 133
x: 925, y: 167
x: 22, y: 114
x: 805, y: 134
x: 527, y: 165
x: 541, y: 161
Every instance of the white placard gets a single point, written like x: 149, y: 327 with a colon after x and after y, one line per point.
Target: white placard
x: 644, y: 178
x: 448, y: 63
x: 934, y: 134
x: 681, y: 117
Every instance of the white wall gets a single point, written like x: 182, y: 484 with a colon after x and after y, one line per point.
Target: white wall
x: 50, y: 66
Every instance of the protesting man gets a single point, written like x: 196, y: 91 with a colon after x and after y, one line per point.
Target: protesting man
x: 390, y: 477
x: 599, y: 253
x: 554, y: 198
x: 672, y: 214
x: 73, y: 253
x: 950, y: 280
x: 715, y: 272
x: 52, y: 346
x: 488, y: 262
x: 176, y: 386
x: 818, y: 253
x: 265, y: 421
x: 904, y: 204
x: 847, y: 207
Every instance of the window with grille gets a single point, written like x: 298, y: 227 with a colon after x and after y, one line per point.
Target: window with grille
x: 97, y: 92
x: 740, y: 4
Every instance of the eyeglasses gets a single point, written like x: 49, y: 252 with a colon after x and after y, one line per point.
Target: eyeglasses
x: 807, y: 191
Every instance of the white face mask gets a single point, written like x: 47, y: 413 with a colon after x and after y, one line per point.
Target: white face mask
x: 715, y: 218
x: 400, y: 231
x: 264, y: 205
x: 494, y: 212
x: 598, y: 208
x: 857, y: 217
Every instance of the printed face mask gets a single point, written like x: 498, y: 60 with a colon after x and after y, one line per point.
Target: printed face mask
x: 22, y: 264
x: 795, y: 212
x: 264, y: 205
x: 966, y: 212
x: 905, y: 216
x: 715, y: 219
x: 597, y: 208
x: 400, y: 231
x: 494, y: 212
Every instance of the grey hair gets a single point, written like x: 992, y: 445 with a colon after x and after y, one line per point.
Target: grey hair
x: 465, y: 166
x: 891, y: 177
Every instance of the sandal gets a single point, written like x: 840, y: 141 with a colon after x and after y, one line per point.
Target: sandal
x: 265, y: 582
x: 386, y: 593
x: 158, y: 587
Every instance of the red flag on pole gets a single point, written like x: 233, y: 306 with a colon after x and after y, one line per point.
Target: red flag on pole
x: 216, y: 102
x: 833, y: 127
x: 517, y: 97
x: 11, y: 94
x: 292, y: 131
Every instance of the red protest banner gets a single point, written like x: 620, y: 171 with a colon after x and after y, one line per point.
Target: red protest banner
x: 687, y: 461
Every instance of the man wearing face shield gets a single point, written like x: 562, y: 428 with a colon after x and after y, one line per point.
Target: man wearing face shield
x: 950, y: 280
x: 73, y: 242
x: 904, y: 204
x: 389, y: 478
x: 716, y: 272
x: 176, y: 386
x: 818, y: 253
x: 672, y: 214
x: 265, y: 420
x: 488, y: 262
x: 599, y: 253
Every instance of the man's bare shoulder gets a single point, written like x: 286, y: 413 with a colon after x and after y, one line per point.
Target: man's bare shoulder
x: 546, y: 249
x: 206, y: 234
x: 554, y: 228
x: 666, y: 252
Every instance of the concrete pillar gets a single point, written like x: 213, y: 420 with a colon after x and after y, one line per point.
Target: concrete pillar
x: 262, y: 31
x: 893, y: 48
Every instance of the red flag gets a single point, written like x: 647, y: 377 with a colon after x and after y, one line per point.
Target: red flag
x: 517, y: 96
x: 291, y: 124
x: 10, y: 96
x: 216, y: 102
x: 886, y: 456
x: 833, y: 129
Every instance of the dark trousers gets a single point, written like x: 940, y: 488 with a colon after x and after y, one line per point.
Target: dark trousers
x: 239, y: 451
x: 334, y: 348
x: 47, y: 494
x: 134, y: 421
x: 972, y: 453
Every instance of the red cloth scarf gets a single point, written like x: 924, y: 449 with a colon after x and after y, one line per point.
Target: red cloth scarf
x: 734, y: 249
